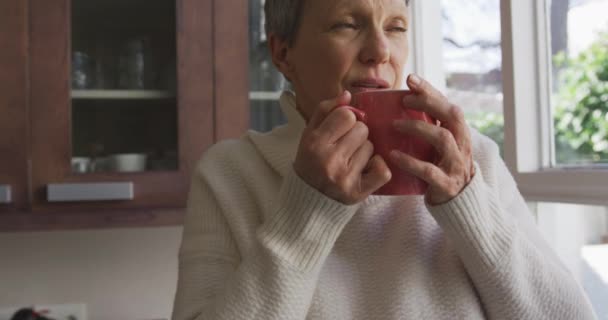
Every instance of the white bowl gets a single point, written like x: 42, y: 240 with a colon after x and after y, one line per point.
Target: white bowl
x: 128, y: 162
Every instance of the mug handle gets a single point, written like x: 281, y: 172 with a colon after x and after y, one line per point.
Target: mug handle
x: 360, y: 114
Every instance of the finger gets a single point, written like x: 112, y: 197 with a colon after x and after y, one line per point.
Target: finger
x: 336, y: 125
x: 360, y: 114
x: 464, y: 142
x: 326, y: 107
x: 428, y: 172
x: 430, y: 100
x: 425, y: 96
x: 457, y: 126
x: 361, y: 158
x: 440, y: 138
x: 350, y: 142
x: 377, y: 175
x: 418, y: 85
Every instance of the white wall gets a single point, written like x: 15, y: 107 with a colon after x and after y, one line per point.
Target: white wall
x: 575, y: 232
x: 569, y: 227
x: 119, y: 274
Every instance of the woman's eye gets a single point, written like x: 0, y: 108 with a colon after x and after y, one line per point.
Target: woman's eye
x: 345, y: 25
x: 398, y: 29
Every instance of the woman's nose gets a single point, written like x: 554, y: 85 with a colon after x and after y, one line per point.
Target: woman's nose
x: 375, y: 49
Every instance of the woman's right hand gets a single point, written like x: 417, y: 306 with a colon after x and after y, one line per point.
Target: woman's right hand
x: 335, y: 156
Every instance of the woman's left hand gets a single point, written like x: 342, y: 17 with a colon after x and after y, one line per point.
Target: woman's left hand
x: 454, y: 167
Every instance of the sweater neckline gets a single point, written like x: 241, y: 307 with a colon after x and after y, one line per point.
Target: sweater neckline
x: 279, y: 146
x: 289, y: 108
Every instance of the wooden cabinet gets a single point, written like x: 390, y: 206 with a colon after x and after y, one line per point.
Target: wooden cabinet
x: 13, y: 107
x: 49, y: 122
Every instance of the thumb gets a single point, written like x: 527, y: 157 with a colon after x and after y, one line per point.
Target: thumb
x: 377, y: 175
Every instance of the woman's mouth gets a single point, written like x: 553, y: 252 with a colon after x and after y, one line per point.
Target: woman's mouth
x: 369, y: 84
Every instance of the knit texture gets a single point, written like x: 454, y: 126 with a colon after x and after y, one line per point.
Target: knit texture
x: 259, y: 243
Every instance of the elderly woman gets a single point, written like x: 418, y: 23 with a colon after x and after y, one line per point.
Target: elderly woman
x: 284, y: 225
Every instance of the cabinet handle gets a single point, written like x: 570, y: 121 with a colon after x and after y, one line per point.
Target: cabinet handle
x: 5, y: 194
x: 106, y: 191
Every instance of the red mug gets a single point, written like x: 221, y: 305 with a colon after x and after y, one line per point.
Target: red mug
x: 378, y: 110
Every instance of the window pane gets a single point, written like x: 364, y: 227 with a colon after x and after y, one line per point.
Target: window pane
x: 579, y: 49
x: 473, y: 62
x: 579, y: 236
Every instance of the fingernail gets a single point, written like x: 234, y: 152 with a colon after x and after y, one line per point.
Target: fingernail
x: 345, y: 95
x: 394, y: 154
x: 415, y: 79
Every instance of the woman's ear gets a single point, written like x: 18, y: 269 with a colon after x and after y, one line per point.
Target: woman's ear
x: 279, y: 51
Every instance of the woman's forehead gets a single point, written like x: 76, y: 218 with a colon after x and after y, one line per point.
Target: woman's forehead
x: 331, y: 7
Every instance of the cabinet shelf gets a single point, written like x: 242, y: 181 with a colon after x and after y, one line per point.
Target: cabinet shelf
x: 122, y: 94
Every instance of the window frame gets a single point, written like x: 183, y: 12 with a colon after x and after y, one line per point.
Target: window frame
x: 427, y: 41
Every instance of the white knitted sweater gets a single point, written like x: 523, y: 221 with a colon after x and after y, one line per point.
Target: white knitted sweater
x: 259, y: 243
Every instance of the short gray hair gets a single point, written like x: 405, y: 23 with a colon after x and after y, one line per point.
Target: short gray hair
x: 283, y: 18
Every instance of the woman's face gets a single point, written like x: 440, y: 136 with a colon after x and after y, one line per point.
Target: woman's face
x: 355, y: 45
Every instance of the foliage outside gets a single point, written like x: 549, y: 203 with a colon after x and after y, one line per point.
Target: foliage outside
x: 490, y: 124
x: 581, y: 105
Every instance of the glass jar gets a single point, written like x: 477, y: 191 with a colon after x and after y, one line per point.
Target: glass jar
x: 82, y: 71
x: 137, y: 66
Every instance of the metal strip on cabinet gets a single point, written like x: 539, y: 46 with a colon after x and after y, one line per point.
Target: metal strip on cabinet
x: 78, y: 192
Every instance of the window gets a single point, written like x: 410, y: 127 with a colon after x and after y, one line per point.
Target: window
x: 266, y: 82
x: 527, y: 86
x: 531, y: 107
x: 472, y: 62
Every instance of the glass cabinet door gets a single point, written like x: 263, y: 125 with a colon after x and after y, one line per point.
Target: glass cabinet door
x: 123, y: 86
x: 121, y: 99
x: 265, y: 81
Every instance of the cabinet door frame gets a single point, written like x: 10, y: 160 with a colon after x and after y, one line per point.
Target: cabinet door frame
x: 231, y: 73
x: 13, y: 105
x: 50, y: 37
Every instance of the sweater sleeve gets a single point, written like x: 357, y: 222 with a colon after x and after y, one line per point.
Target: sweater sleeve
x: 277, y: 281
x: 513, y: 269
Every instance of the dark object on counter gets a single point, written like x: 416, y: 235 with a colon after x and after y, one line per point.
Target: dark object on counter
x: 28, y: 314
